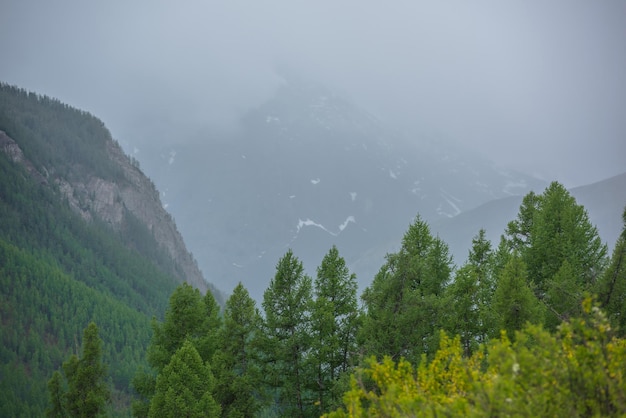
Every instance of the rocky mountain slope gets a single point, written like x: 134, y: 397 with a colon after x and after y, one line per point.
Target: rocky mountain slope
x: 306, y: 170
x: 91, y: 171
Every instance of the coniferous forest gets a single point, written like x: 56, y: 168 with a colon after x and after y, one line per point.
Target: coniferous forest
x: 89, y: 326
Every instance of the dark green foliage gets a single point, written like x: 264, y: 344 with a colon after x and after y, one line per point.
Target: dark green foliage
x: 190, y: 318
x: 335, y: 322
x: 87, y: 391
x: 465, y: 309
x: 184, y: 386
x: 56, y: 137
x: 184, y: 319
x: 404, y: 304
x: 58, y: 272
x: 514, y: 303
x: 611, y: 287
x: 236, y: 363
x: 57, y: 399
x: 43, y: 311
x: 555, y: 239
x: 287, y: 333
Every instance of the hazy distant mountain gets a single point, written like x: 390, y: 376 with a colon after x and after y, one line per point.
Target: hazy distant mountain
x: 604, y: 202
x: 306, y: 170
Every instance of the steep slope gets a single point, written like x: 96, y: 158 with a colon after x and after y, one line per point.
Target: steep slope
x: 306, y: 170
x: 73, y: 152
x: 83, y: 237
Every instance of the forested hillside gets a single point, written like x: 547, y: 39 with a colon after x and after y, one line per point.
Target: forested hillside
x: 63, y: 262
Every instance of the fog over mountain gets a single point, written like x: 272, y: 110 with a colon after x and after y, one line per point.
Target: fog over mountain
x: 309, y: 169
x: 269, y: 125
x: 536, y: 86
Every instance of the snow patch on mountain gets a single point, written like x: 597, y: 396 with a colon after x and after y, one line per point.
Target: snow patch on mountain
x: 309, y: 222
x: 353, y: 196
x: 315, y: 181
x: 346, y: 222
x: 170, y: 161
x: 450, y: 200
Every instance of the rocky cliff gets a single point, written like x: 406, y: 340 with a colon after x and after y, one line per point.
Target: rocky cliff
x: 113, y: 201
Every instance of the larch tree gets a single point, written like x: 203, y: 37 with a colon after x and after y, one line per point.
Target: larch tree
x: 335, y: 321
x: 236, y: 363
x: 514, y: 302
x: 87, y: 390
x: 404, y: 304
x: 552, y: 229
x: 287, y: 334
x: 611, y: 288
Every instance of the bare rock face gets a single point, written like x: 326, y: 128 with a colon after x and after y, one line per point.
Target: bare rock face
x: 112, y: 201
x: 10, y: 148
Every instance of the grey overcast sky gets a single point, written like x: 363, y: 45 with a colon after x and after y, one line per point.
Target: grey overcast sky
x: 536, y: 85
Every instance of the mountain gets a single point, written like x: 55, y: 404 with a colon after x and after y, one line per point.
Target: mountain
x: 83, y: 237
x: 306, y: 170
x: 604, y: 202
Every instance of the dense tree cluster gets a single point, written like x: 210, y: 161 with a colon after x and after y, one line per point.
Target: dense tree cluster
x: 513, y: 329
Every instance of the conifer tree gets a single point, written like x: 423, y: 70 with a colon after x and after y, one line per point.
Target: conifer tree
x: 404, y: 304
x: 514, y: 303
x: 208, y: 341
x: 87, y: 391
x: 552, y: 228
x: 463, y: 318
x: 184, y: 387
x: 335, y: 319
x: 561, y: 249
x: 611, y: 288
x: 189, y: 317
x: 236, y: 363
x: 57, y: 397
x: 287, y: 303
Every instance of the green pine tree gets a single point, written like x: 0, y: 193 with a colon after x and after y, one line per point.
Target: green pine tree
x: 404, y: 304
x: 184, y: 387
x: 236, y: 363
x: 56, y: 393
x: 189, y: 317
x: 611, y: 287
x: 87, y: 390
x: 287, y: 329
x: 514, y: 303
x: 335, y: 321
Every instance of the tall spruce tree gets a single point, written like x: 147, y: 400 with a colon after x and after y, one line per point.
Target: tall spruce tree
x: 87, y: 389
x: 236, y: 363
x: 404, y: 304
x: 287, y: 303
x: 335, y: 321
